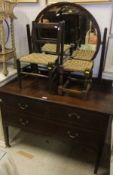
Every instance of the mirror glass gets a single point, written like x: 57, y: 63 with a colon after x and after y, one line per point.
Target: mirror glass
x: 81, y: 28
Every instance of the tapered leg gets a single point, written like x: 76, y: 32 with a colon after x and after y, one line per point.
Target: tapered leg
x: 98, y: 159
x: 6, y: 135
x: 5, y: 70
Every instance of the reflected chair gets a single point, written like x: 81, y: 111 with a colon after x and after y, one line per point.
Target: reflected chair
x: 50, y: 48
x: 76, y: 73
x: 45, y: 64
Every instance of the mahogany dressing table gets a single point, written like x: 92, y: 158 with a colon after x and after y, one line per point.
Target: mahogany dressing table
x: 84, y: 121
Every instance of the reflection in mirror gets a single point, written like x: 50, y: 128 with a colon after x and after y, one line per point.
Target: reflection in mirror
x: 81, y: 29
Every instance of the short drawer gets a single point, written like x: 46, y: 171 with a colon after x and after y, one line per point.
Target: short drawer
x: 23, y: 104
x: 47, y: 127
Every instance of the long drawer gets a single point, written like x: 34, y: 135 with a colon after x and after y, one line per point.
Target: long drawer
x: 52, y: 111
x: 52, y: 128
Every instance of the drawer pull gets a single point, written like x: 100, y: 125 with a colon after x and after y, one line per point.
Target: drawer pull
x: 72, y: 136
x: 23, y: 106
x: 74, y: 116
x: 23, y: 122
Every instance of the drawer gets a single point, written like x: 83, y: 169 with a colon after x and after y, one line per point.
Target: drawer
x: 56, y: 112
x: 23, y: 104
x: 53, y: 129
x: 79, y: 117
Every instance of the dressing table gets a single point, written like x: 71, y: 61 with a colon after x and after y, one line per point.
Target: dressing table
x: 81, y: 120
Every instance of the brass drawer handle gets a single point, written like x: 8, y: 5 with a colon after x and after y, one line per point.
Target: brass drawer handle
x: 72, y: 136
x: 74, y: 115
x: 24, y: 122
x: 22, y: 106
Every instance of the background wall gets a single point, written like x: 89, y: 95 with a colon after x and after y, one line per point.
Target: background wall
x: 27, y: 12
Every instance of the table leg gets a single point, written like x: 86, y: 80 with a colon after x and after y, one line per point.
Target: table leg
x: 99, y: 154
x: 6, y: 135
x: 102, y: 146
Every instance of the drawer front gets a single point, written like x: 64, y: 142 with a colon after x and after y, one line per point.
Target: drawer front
x: 45, y: 110
x: 54, y: 129
x: 24, y: 105
x: 79, y: 117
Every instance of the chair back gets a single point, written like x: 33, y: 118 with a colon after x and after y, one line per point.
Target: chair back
x: 42, y: 35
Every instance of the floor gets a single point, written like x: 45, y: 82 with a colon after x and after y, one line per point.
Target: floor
x: 37, y: 155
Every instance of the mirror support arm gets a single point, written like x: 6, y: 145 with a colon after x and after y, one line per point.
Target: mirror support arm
x: 102, y: 57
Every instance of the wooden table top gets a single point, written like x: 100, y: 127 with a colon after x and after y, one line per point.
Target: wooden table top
x: 100, y: 97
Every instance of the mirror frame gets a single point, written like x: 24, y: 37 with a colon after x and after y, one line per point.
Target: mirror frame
x: 82, y: 1
x: 81, y: 8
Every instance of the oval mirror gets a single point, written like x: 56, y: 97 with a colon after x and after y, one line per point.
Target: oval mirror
x: 81, y: 28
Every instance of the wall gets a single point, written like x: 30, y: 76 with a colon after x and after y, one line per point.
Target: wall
x: 102, y: 13
x: 27, y: 12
